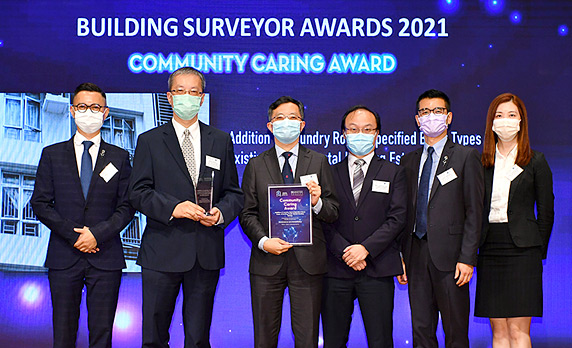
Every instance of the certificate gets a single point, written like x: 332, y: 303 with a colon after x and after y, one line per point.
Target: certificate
x: 290, y: 213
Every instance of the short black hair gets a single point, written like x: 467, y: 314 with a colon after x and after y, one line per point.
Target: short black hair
x: 283, y: 100
x: 187, y: 70
x: 433, y: 94
x: 361, y: 107
x: 89, y: 87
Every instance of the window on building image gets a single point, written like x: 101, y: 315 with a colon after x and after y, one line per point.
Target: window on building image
x: 17, y: 216
x: 22, y: 119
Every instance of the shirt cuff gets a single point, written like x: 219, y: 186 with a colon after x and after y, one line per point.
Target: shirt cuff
x: 318, y: 207
x: 261, y: 243
x: 220, y: 219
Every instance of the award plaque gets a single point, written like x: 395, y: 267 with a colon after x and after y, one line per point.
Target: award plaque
x: 290, y: 213
x: 204, y: 193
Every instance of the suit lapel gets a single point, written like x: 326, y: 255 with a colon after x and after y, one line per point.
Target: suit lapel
x: 443, y: 165
x: 514, y: 184
x: 172, y: 143
x: 71, y: 163
x: 302, y: 164
x: 489, y: 172
x: 344, y: 173
x: 207, y: 143
x: 271, y: 161
x: 374, y: 167
x: 414, y: 179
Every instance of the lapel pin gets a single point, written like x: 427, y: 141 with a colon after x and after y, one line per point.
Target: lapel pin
x: 102, y: 153
x: 445, y: 159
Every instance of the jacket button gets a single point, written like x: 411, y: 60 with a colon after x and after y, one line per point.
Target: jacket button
x: 356, y: 218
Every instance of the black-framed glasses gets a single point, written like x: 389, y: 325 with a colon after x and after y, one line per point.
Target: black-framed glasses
x: 181, y: 91
x: 366, y: 130
x: 282, y: 117
x: 82, y: 107
x: 439, y: 110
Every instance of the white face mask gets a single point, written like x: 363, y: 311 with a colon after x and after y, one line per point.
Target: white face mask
x: 89, y: 122
x: 506, y: 128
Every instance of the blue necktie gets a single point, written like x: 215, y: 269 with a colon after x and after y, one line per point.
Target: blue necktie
x: 423, y: 195
x: 286, y: 169
x: 86, y: 168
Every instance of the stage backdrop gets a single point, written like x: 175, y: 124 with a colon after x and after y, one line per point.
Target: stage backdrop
x: 331, y: 55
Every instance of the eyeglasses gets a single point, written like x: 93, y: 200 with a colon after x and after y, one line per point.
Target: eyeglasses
x: 282, y: 117
x: 181, y: 91
x: 93, y: 107
x: 367, y: 130
x: 437, y: 111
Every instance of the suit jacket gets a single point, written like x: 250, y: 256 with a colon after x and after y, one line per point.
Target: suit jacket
x: 454, y: 210
x: 59, y: 204
x: 376, y: 222
x: 264, y: 170
x: 533, y: 187
x: 161, y: 180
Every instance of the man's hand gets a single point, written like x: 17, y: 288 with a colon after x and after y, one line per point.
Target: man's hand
x: 86, y: 242
x: 354, y: 254
x: 359, y: 266
x: 402, y: 279
x: 276, y: 246
x: 212, y: 219
x: 315, y: 191
x: 463, y: 273
x: 188, y: 210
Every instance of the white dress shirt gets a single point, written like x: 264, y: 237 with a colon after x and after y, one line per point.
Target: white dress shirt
x: 501, y: 185
x: 195, y: 136
x: 78, y: 140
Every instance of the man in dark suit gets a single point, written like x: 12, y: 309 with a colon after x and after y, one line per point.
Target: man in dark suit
x: 81, y: 196
x: 445, y: 196
x: 274, y: 263
x: 183, y: 243
x: 363, y: 250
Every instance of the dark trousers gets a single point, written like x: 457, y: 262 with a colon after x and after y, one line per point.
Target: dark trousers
x: 160, y: 291
x: 432, y: 291
x: 66, y: 287
x: 375, y: 296
x: 267, y: 294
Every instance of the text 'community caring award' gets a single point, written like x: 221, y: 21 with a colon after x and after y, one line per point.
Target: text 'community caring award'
x: 290, y: 213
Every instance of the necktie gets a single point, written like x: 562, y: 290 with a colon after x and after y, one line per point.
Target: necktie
x: 189, y: 154
x: 86, y: 168
x: 287, y: 174
x: 423, y: 195
x: 358, y: 178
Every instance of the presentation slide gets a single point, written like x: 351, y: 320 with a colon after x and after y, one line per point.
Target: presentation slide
x: 331, y: 55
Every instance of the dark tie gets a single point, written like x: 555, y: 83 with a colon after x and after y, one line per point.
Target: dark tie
x: 86, y: 168
x: 423, y: 195
x: 286, y: 169
x: 358, y: 178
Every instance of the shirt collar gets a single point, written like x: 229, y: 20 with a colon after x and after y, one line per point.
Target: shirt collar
x: 294, y: 150
x: 180, y: 129
x: 438, y: 147
x: 511, y: 155
x: 367, y: 159
x: 78, y: 139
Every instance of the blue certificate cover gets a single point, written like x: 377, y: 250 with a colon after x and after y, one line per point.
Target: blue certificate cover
x: 290, y: 213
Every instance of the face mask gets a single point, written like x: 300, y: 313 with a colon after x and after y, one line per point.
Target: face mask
x: 360, y: 144
x: 506, y: 128
x: 433, y: 125
x: 89, y: 122
x: 286, y: 131
x: 186, y: 106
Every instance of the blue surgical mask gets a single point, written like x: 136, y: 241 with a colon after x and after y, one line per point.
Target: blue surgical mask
x: 360, y: 144
x: 186, y: 106
x: 286, y: 131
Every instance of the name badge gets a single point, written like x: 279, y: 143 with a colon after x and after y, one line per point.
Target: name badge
x: 304, y: 179
x: 514, y: 172
x: 108, y: 172
x: 212, y: 162
x: 447, y: 176
x: 380, y: 186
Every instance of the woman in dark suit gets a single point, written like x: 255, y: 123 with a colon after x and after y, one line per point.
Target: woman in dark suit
x: 514, y: 239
